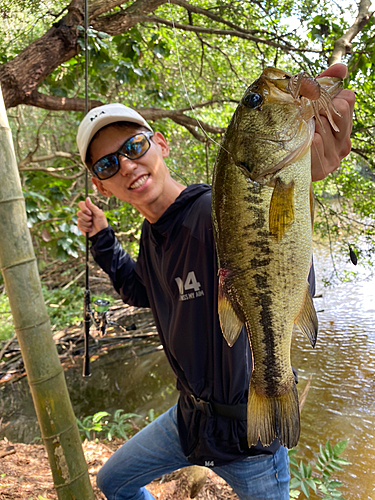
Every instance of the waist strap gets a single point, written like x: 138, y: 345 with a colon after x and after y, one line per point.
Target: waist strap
x: 211, y: 408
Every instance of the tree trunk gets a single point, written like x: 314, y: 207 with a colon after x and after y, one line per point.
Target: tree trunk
x: 45, y: 374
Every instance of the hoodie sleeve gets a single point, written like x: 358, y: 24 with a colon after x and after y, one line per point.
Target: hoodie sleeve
x: 120, y: 267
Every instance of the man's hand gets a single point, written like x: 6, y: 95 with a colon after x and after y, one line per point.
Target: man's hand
x: 329, y: 147
x: 91, y: 219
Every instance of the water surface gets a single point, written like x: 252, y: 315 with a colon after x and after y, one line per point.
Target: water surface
x: 340, y: 403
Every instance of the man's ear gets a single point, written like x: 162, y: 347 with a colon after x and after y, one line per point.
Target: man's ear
x: 98, y: 183
x: 159, y: 139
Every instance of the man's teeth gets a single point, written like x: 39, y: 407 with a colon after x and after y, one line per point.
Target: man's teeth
x: 139, y: 182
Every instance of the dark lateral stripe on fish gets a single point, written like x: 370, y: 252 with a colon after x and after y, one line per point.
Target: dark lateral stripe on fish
x: 261, y: 281
x: 259, y: 262
x: 271, y: 345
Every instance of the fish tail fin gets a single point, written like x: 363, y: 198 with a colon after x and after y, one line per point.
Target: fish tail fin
x: 273, y: 417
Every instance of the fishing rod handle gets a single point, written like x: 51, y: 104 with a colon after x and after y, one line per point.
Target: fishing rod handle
x: 87, y: 317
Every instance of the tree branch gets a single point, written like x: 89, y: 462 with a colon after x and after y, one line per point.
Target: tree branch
x: 50, y: 171
x: 218, y: 19
x: 343, y: 44
x: 58, y: 103
x: 31, y: 159
x: 21, y: 76
x: 117, y: 23
x: 99, y: 7
x: 179, y: 117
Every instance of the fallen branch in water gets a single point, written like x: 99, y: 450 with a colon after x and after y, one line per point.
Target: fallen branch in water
x: 303, y: 396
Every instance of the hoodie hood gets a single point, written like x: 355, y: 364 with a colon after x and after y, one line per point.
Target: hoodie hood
x: 175, y: 212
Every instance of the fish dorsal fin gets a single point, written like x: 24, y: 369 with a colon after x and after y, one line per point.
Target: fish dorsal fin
x: 307, y: 320
x: 230, y: 323
x: 281, y: 215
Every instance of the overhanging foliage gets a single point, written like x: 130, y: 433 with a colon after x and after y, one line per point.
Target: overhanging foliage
x: 183, y: 65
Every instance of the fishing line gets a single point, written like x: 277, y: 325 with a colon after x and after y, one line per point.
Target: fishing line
x: 183, y: 82
x: 178, y: 175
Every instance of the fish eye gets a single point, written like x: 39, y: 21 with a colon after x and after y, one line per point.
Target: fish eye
x: 252, y: 100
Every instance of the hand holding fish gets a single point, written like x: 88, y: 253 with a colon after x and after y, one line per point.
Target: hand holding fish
x: 330, y: 147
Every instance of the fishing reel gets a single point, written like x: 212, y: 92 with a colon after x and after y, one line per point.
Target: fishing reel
x: 99, y: 317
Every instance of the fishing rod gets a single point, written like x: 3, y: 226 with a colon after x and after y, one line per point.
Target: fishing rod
x: 100, y: 315
x: 87, y: 313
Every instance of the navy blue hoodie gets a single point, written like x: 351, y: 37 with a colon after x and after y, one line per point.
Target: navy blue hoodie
x: 176, y: 276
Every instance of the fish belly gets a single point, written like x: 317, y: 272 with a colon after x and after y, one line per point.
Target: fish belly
x: 265, y: 281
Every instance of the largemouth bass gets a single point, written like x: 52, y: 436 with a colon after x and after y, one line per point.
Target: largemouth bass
x: 262, y: 220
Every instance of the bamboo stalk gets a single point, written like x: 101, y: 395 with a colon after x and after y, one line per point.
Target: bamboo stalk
x: 45, y: 375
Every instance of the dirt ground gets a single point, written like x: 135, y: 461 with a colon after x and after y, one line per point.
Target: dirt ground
x: 25, y: 474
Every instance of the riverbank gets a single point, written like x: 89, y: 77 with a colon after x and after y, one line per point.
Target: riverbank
x: 25, y: 475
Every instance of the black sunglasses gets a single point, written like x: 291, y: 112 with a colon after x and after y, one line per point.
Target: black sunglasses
x: 133, y: 148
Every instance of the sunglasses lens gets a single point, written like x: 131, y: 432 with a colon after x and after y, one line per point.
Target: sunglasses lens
x: 135, y: 147
x: 106, y: 167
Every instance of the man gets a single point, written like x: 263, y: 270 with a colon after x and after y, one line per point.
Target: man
x: 176, y: 275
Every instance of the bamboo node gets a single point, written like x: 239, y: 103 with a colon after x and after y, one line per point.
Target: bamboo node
x: 8, y: 200
x: 44, y: 379
x: 18, y: 263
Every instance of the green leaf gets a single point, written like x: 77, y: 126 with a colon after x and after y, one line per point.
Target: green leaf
x: 293, y: 461
x: 326, y: 475
x: 335, y: 465
x: 329, y: 449
x: 323, y: 488
x: 305, y: 489
x: 98, y: 416
x: 296, y: 473
x: 340, y: 447
x: 335, y: 484
x: 335, y: 494
x: 308, y: 470
x: 324, y: 454
x: 342, y: 461
x: 294, y: 494
x: 294, y: 483
x: 331, y: 467
x: 311, y: 483
x: 321, y: 461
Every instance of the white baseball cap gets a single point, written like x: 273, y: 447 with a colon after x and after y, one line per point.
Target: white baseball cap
x: 101, y: 116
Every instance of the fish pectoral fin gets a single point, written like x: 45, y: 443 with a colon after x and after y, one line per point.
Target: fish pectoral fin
x: 230, y: 323
x: 307, y: 320
x: 281, y: 215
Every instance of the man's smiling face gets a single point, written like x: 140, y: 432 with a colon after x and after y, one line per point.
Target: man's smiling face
x: 141, y: 182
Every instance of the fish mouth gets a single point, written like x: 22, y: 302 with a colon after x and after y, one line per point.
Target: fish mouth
x: 139, y: 181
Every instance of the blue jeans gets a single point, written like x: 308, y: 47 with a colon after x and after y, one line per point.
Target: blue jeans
x: 156, y: 450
